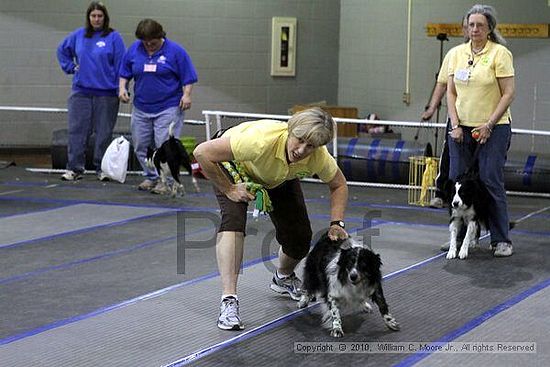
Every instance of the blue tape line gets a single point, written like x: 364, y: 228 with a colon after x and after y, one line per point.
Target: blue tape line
x: 395, y: 158
x: 417, y: 357
x: 528, y: 170
x: 371, y: 155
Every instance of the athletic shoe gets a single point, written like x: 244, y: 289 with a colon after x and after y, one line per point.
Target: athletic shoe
x: 290, y: 285
x: 71, y: 176
x: 436, y: 203
x: 161, y: 189
x: 146, y: 185
x: 229, y: 318
x: 103, y: 177
x: 504, y: 249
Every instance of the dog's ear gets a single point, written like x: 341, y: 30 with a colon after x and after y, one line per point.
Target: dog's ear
x: 448, y: 187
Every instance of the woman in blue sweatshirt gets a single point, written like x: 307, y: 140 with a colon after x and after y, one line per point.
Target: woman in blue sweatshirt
x: 93, y: 54
x: 163, y: 77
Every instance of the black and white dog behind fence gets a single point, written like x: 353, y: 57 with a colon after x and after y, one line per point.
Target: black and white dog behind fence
x: 344, y: 275
x: 168, y: 159
x: 468, y: 207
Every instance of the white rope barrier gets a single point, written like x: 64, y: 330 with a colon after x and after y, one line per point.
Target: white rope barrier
x: 217, y: 116
x: 427, y: 124
x: 64, y: 110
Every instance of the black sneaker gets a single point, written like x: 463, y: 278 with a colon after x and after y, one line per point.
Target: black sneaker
x: 229, y: 318
x: 290, y: 285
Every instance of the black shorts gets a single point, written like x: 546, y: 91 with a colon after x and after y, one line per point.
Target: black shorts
x: 289, y: 216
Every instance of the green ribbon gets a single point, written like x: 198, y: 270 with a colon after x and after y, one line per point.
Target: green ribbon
x: 263, y: 202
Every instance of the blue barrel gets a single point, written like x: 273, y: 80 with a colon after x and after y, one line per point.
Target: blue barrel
x: 377, y: 160
x: 387, y: 161
x: 528, y: 172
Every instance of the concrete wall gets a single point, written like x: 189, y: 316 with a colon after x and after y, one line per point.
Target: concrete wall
x: 372, y: 68
x: 228, y: 40
x: 350, y: 52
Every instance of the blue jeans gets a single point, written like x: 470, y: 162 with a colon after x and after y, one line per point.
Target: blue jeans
x: 492, y: 157
x: 151, y: 130
x: 87, y: 115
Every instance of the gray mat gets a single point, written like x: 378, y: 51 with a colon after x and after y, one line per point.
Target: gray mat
x: 531, y: 323
x: 159, y: 330
x: 31, y: 226
x: 429, y: 302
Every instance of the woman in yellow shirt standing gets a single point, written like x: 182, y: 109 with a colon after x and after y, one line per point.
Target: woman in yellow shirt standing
x: 273, y: 155
x: 480, y: 90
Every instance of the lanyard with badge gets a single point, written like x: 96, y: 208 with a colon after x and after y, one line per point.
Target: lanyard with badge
x: 464, y: 74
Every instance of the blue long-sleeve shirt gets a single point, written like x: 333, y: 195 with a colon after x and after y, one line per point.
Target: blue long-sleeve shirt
x: 98, y: 59
x: 158, y: 79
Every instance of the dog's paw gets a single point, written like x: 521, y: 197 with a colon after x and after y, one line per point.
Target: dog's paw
x: 367, y: 308
x: 463, y: 252
x: 304, y: 301
x: 337, y: 333
x: 391, y: 322
x: 451, y: 254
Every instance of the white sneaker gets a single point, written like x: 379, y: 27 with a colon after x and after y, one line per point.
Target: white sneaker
x: 504, y: 249
x: 71, y: 176
x: 436, y: 203
x: 229, y: 318
x: 290, y: 285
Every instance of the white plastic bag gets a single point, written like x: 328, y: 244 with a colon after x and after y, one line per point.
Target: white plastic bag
x: 115, y: 161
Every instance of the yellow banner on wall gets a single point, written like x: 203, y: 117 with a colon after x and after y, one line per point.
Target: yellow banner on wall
x: 508, y: 30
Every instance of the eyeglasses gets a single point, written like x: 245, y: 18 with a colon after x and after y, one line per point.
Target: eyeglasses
x: 477, y: 25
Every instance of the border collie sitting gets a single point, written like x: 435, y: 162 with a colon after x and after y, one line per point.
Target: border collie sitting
x: 344, y: 275
x: 168, y: 159
x: 468, y: 207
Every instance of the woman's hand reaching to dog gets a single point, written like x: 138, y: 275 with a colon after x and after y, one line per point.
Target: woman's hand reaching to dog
x: 335, y: 233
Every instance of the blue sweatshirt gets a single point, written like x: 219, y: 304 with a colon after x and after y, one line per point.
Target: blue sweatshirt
x: 158, y: 79
x: 98, y: 59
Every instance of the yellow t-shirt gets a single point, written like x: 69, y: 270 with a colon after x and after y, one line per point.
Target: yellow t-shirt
x: 443, y: 74
x: 477, y: 88
x: 261, y: 147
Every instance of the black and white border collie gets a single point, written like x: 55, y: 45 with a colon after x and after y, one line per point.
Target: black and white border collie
x: 468, y: 207
x: 168, y: 159
x: 343, y: 275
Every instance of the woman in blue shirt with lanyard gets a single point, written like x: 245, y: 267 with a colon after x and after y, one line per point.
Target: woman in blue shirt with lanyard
x: 163, y: 79
x: 93, y: 54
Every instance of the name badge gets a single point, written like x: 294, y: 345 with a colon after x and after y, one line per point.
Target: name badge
x: 150, y: 68
x: 462, y: 75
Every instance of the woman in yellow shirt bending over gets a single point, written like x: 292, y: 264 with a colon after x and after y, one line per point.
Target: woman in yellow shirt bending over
x: 272, y: 155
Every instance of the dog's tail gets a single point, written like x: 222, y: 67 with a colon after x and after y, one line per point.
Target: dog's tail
x: 171, y: 128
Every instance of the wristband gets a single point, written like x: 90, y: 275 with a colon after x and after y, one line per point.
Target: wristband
x: 339, y: 223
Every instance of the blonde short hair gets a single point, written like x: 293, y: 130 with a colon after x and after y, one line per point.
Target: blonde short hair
x: 313, y: 125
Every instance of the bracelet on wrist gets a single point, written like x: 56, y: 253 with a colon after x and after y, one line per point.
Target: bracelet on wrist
x: 454, y: 127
